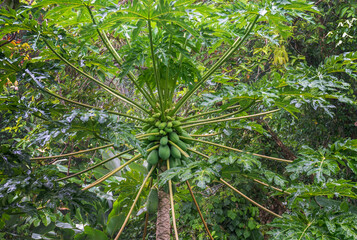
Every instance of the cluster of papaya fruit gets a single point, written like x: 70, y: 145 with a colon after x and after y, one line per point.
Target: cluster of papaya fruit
x: 165, y: 133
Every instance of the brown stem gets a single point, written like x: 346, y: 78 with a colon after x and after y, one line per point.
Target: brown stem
x: 146, y: 225
x: 199, y: 211
x: 284, y: 149
x: 163, y: 214
x: 172, y: 204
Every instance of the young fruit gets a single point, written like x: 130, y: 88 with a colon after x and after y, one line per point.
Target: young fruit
x: 174, y: 137
x: 153, y: 201
x: 175, y: 153
x: 164, y: 140
x: 182, y: 145
x: 164, y: 152
x: 153, y: 157
x: 162, y: 125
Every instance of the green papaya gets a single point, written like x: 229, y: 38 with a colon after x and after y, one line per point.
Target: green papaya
x: 155, y: 130
x: 164, y: 140
x: 153, y: 157
x: 151, y: 120
x: 185, y: 134
x: 164, y: 152
x: 153, y: 138
x: 162, y: 125
x: 179, y: 130
x: 157, y: 123
x: 182, y: 145
x: 156, y: 115
x: 175, y: 153
x: 162, y: 132
x: 176, y: 123
x: 169, y: 124
x: 153, y: 201
x: 167, y: 129
x: 174, y: 137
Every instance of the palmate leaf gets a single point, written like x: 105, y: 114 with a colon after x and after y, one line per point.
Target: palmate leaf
x: 324, y: 162
x: 332, y: 189
x: 320, y: 220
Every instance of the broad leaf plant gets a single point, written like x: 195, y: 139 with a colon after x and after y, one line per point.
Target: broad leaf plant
x: 159, y: 57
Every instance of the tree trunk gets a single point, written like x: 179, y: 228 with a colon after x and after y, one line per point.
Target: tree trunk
x: 163, y: 217
x: 287, y: 153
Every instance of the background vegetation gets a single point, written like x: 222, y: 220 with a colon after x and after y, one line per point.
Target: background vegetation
x: 300, y: 58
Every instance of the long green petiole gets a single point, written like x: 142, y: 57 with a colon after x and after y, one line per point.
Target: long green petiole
x: 249, y: 199
x: 220, y: 117
x: 91, y: 107
x: 236, y: 150
x: 71, y: 154
x: 146, y: 135
x: 219, y: 63
x: 156, y: 73
x: 118, y: 59
x: 198, y: 153
x: 134, y: 203
x: 209, y: 121
x: 265, y: 184
x: 96, y: 165
x: 108, y: 89
x: 108, y: 175
x: 210, y: 112
x: 172, y: 204
x: 205, y: 135
x: 198, y: 209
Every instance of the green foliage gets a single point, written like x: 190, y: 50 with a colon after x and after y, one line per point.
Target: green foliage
x: 177, y: 59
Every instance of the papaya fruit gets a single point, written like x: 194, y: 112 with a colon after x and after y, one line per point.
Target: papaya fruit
x: 167, y: 129
x: 175, y: 153
x: 182, y: 145
x: 151, y: 120
x: 179, y: 130
x: 153, y: 201
x: 164, y: 140
x: 164, y: 152
x: 156, y: 115
x: 162, y: 125
x: 174, y: 137
x: 155, y: 130
x: 153, y: 138
x: 153, y: 157
x: 185, y: 134
x: 176, y: 123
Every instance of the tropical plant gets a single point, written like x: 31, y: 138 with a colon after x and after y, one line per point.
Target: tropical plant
x: 160, y: 58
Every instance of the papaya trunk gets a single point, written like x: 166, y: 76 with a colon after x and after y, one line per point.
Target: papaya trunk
x: 163, y: 215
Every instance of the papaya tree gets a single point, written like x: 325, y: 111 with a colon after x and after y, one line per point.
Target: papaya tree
x: 155, y: 47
